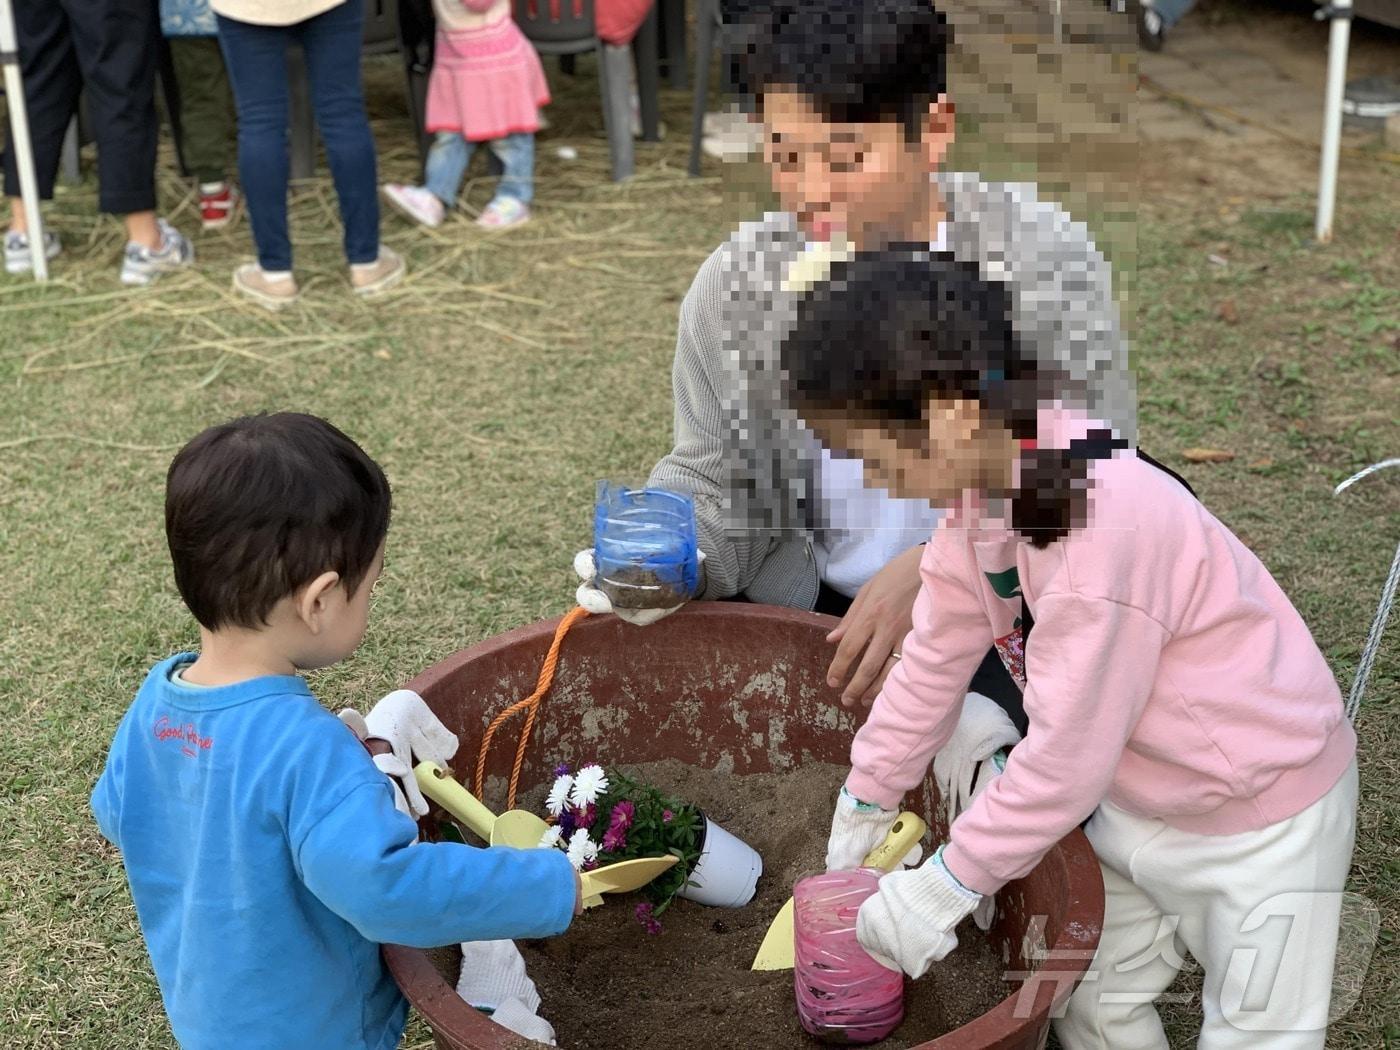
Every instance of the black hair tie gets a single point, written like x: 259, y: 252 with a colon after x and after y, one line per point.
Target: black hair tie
x: 1097, y: 444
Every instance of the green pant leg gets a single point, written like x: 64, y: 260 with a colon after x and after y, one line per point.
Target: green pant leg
x: 207, y: 122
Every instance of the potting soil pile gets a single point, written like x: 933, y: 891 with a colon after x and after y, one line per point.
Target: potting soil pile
x: 609, y: 985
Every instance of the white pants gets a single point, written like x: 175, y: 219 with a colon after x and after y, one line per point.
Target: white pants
x: 1259, y: 911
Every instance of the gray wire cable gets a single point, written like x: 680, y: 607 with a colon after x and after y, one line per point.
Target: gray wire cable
x: 1373, y: 640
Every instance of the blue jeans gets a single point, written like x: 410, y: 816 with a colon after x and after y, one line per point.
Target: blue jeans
x: 451, y: 153
x: 256, y: 56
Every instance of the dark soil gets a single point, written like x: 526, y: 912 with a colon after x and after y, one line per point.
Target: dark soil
x: 608, y: 985
x: 633, y: 587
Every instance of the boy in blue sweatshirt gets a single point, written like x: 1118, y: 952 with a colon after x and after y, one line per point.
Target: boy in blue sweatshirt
x: 263, y: 848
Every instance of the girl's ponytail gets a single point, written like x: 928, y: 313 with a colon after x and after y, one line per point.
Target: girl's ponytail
x: 1050, y: 500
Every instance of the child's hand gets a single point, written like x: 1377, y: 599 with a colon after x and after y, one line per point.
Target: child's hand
x: 908, y: 924
x: 598, y: 603
x: 856, y: 829
x: 578, y: 894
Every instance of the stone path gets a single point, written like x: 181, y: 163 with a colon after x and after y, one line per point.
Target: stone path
x: 1269, y: 66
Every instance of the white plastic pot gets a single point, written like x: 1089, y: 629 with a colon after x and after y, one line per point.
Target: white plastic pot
x: 727, y: 872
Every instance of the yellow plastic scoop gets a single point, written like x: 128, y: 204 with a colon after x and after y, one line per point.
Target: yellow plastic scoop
x: 622, y: 877
x: 519, y: 828
x: 775, y: 953
x: 523, y: 830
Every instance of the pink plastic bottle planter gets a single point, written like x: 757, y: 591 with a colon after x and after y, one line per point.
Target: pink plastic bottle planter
x: 843, y: 995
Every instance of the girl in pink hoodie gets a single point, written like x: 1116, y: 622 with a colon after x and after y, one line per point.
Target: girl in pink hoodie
x: 1176, y: 699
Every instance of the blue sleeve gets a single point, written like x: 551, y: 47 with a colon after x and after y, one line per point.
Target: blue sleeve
x: 106, y: 795
x: 362, y: 861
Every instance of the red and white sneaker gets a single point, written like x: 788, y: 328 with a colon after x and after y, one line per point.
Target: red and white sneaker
x: 218, y: 204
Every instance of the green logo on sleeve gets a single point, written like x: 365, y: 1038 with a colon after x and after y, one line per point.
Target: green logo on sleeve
x: 1006, y: 583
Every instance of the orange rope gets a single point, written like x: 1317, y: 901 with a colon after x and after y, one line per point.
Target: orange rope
x: 530, y: 705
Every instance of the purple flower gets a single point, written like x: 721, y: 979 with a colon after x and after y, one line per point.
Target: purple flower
x: 667, y: 816
x: 584, y: 818
x: 649, y: 921
x: 561, y: 770
x: 622, y: 815
x: 614, y: 839
x: 567, y: 823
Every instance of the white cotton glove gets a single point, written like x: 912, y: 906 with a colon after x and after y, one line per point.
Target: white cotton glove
x: 983, y: 729
x: 595, y: 601
x: 908, y: 923
x: 969, y: 761
x: 415, y: 735
x: 493, y: 978
x: 856, y: 829
x: 386, y: 764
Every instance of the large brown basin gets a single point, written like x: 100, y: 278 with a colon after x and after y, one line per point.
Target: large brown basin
x: 741, y: 688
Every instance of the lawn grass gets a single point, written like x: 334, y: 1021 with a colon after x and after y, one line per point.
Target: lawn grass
x: 494, y: 389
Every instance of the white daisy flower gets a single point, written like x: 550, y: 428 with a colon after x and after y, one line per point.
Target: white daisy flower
x: 551, y: 838
x: 590, y: 782
x: 582, y: 849
x: 558, y: 796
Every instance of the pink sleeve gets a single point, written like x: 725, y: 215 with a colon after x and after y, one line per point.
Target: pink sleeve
x: 1090, y: 667
x: 917, y: 709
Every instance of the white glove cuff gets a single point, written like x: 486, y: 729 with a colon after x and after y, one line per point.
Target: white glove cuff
x: 938, y: 888
x: 523, y: 1021
x: 856, y: 829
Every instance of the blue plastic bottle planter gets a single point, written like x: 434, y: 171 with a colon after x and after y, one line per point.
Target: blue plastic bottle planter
x: 644, y: 546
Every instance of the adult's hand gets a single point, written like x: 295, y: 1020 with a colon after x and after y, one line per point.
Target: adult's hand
x: 873, y: 628
x: 595, y: 601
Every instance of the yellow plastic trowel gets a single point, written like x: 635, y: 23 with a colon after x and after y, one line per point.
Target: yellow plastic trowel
x: 517, y: 827
x: 523, y: 830
x: 775, y: 953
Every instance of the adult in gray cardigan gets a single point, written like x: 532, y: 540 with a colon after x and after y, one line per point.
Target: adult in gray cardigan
x: 857, y: 124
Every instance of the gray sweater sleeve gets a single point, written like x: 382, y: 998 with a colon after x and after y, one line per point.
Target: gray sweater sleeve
x: 700, y: 384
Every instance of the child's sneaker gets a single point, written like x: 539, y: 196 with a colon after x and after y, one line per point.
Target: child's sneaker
x: 142, y: 265
x: 417, y: 202
x: 378, y: 276
x: 273, y: 291
x: 503, y: 213
x: 218, y: 204
x: 1151, y: 31
x: 17, y: 258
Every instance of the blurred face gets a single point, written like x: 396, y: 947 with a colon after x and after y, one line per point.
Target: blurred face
x: 865, y: 181
x: 937, y: 460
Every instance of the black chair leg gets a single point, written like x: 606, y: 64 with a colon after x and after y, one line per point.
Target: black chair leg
x: 673, y: 41
x: 617, y: 117
x: 644, y: 52
x: 567, y: 66
x: 705, y: 27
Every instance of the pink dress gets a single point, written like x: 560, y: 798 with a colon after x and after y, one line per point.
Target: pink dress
x: 487, y: 83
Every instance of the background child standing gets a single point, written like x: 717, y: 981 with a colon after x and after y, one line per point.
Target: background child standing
x: 208, y: 128
x: 487, y: 86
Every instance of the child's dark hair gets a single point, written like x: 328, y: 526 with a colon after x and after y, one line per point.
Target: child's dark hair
x: 858, y: 61
x: 261, y: 506
x: 891, y: 330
